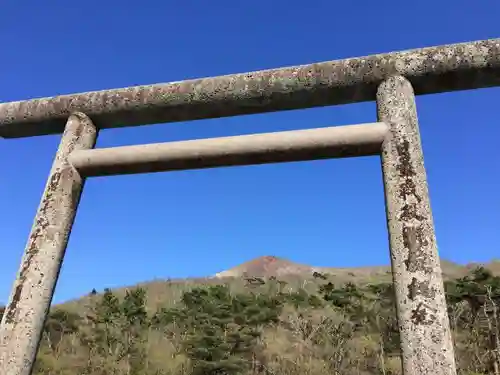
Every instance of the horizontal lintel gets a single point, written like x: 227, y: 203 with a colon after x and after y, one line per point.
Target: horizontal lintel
x: 430, y: 70
x: 287, y: 146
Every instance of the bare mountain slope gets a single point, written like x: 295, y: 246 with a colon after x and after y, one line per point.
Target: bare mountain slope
x: 267, y: 266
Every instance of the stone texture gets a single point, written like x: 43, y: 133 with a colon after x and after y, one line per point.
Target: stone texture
x: 430, y: 70
x: 29, y: 302
x: 426, y: 341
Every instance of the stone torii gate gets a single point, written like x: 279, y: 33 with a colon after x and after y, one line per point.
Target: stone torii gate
x: 391, y: 79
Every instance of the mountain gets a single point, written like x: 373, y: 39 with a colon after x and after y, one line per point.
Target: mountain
x: 161, y: 291
x: 267, y: 266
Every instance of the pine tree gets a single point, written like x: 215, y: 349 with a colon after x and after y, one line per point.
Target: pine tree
x: 222, y: 329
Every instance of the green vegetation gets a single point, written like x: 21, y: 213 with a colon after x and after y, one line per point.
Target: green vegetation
x: 267, y: 327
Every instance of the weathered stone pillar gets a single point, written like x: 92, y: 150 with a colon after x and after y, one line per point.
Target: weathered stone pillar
x: 22, y: 324
x: 426, y: 343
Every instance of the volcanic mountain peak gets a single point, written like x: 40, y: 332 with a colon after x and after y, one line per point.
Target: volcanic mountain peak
x: 266, y: 266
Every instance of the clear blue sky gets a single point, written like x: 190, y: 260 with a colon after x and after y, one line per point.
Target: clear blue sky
x: 330, y: 213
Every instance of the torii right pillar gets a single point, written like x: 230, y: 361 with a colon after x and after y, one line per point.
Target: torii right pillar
x: 425, y: 336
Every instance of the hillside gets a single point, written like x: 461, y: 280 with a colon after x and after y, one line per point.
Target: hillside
x: 161, y: 292
x: 267, y: 316
x: 267, y: 266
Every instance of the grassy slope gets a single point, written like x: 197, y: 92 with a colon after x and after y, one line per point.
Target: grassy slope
x: 168, y: 292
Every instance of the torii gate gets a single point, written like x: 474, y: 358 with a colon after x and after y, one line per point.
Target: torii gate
x: 391, y: 79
